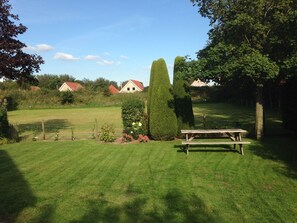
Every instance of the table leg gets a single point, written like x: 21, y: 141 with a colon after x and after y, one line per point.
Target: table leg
x: 240, y: 145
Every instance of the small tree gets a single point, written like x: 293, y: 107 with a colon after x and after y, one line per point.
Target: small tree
x: 162, y: 118
x: 14, y: 63
x: 182, y: 96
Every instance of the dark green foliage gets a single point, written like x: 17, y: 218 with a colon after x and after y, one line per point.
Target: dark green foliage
x: 67, y: 97
x: 149, y: 95
x: 162, y: 118
x: 4, y: 125
x: 133, y: 116
x: 182, y: 96
x: 289, y: 104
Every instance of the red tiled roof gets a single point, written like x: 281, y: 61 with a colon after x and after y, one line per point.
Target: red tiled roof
x: 74, y: 85
x: 35, y: 88
x: 138, y: 84
x: 113, y: 89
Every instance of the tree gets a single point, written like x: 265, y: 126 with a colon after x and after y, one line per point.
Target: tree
x: 162, y: 118
x: 14, y: 63
x: 149, y: 94
x: 250, y: 41
x: 182, y: 95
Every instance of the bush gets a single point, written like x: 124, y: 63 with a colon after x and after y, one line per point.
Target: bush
x: 67, y: 97
x: 107, y: 133
x: 162, y: 118
x: 182, y: 96
x: 4, y: 125
x: 134, y: 118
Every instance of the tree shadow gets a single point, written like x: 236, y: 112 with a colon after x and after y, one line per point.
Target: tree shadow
x: 15, y: 192
x: 173, y: 207
x: 279, y: 149
x: 51, y: 126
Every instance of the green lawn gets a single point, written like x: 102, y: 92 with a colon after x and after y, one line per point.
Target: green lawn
x: 81, y: 120
x: 88, y: 181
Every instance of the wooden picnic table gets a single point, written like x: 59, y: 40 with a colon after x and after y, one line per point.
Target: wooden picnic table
x: 233, y: 134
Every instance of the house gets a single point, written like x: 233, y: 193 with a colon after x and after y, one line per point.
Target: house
x: 113, y: 90
x: 70, y: 86
x: 199, y: 83
x: 132, y: 86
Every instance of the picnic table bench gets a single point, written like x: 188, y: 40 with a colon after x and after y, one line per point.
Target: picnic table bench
x: 233, y: 134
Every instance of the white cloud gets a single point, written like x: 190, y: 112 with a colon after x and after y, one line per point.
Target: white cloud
x: 39, y: 48
x: 92, y: 57
x: 44, y: 47
x: 104, y: 62
x: 65, y: 56
x: 124, y: 57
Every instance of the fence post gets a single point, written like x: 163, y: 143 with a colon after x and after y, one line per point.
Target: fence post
x: 43, y: 130
x: 96, y: 129
x: 72, y: 134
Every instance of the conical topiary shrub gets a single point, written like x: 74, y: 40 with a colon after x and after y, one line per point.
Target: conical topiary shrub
x: 182, y: 96
x: 162, y: 118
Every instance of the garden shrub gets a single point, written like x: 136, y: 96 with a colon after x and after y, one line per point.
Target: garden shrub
x: 67, y: 97
x: 107, y: 133
x: 162, y: 118
x: 133, y: 117
x: 182, y: 96
x: 4, y: 125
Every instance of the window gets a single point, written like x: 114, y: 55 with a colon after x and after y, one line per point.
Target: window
x: 133, y: 88
x: 128, y: 89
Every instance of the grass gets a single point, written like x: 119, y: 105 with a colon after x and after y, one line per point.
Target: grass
x: 87, y: 181
x: 82, y: 120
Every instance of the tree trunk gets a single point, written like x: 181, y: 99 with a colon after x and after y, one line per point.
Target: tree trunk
x: 259, y: 113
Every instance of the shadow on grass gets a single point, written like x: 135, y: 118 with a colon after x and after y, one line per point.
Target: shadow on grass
x: 208, y: 148
x: 15, y: 192
x: 174, y: 206
x: 51, y: 126
x: 282, y: 149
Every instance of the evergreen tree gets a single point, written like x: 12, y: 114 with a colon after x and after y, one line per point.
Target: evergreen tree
x: 149, y: 95
x: 182, y: 96
x: 162, y: 118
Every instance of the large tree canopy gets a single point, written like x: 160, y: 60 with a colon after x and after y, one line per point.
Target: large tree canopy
x: 14, y: 63
x: 250, y: 41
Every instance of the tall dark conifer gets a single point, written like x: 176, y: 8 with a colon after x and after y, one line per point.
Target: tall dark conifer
x: 182, y: 96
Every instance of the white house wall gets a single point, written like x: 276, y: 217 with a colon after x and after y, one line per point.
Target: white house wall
x: 65, y: 87
x: 130, y: 87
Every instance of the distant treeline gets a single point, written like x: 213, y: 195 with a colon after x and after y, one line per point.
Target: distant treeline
x: 53, y: 82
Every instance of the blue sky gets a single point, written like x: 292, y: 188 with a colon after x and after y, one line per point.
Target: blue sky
x: 116, y: 40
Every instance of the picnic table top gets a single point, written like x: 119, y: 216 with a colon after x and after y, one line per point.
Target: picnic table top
x: 196, y: 131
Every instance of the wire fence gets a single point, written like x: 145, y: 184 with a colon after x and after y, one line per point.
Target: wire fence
x: 59, y: 129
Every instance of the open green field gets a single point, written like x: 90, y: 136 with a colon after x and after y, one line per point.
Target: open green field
x: 89, y: 181
x: 81, y: 120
